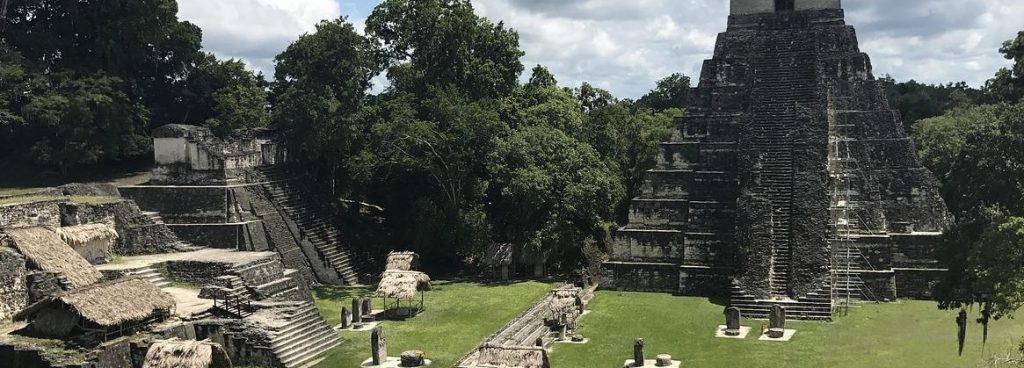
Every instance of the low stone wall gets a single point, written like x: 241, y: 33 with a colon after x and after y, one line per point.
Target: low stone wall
x: 182, y: 205
x: 41, y: 285
x: 650, y: 277
x: 246, y: 347
x: 221, y: 236
x: 13, y: 291
x: 41, y: 213
x: 197, y: 272
x: 137, y: 233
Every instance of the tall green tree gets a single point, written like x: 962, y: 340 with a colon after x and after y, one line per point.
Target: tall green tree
x: 428, y: 43
x: 1008, y: 84
x: 551, y: 192
x: 223, y: 95
x: 672, y: 92
x: 82, y: 120
x: 140, y: 41
x: 320, y: 83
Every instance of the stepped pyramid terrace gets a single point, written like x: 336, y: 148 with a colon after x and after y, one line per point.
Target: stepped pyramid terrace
x: 790, y: 180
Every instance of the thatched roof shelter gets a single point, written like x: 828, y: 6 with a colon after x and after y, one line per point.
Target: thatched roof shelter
x: 498, y: 356
x: 46, y: 251
x: 402, y: 284
x: 498, y: 254
x: 82, y: 235
x: 402, y: 261
x: 109, y: 305
x: 563, y: 303
x: 176, y: 353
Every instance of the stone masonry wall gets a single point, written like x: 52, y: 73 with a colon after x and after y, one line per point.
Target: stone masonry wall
x: 43, y: 213
x: 182, y: 205
x: 13, y: 291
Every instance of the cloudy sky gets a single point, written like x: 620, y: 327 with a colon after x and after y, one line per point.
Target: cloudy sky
x: 624, y: 46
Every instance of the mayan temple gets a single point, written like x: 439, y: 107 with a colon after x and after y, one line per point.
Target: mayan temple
x: 790, y: 181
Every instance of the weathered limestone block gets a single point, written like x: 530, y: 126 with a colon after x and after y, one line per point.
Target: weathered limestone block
x: 13, y: 291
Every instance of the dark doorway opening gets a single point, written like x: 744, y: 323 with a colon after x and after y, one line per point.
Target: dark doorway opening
x: 784, y: 5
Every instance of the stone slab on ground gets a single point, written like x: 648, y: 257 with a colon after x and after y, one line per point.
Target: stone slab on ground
x: 720, y: 333
x: 187, y: 302
x: 786, y: 336
x: 391, y: 362
x: 651, y: 363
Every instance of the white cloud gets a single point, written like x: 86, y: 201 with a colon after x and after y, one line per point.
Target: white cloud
x: 255, y: 30
x: 625, y: 46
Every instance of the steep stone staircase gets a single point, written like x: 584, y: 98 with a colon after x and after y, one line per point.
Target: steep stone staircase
x: 785, y: 84
x: 315, y: 219
x: 303, y: 338
x: 524, y: 330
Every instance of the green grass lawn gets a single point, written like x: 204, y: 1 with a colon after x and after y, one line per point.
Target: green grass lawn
x: 907, y: 334
x: 457, y: 317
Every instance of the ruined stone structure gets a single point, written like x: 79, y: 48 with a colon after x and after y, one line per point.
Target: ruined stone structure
x: 235, y: 193
x: 789, y: 177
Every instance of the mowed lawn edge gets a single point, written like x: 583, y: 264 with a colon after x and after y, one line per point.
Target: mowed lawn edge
x: 906, y: 334
x: 458, y: 316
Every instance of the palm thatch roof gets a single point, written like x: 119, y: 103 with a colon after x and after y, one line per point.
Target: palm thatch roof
x: 176, y: 353
x: 48, y: 252
x: 563, y: 303
x: 498, y: 356
x: 109, y: 304
x: 402, y: 284
x: 498, y: 254
x: 402, y: 261
x: 81, y: 235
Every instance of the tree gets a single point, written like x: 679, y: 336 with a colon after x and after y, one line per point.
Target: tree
x: 319, y: 84
x: 627, y: 138
x: 541, y: 78
x: 222, y: 95
x: 436, y: 43
x: 592, y: 98
x: 983, y: 191
x: 142, y: 42
x: 940, y: 140
x: 334, y: 56
x: 82, y: 120
x: 550, y: 192
x: 916, y: 101
x: 1008, y: 83
x: 672, y: 92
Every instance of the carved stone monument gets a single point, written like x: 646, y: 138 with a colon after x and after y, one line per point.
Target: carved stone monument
x: 777, y: 322
x: 732, y: 321
x: 357, y: 314
x: 346, y: 318
x: 367, y: 307
x: 638, y: 352
x: 378, y: 346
